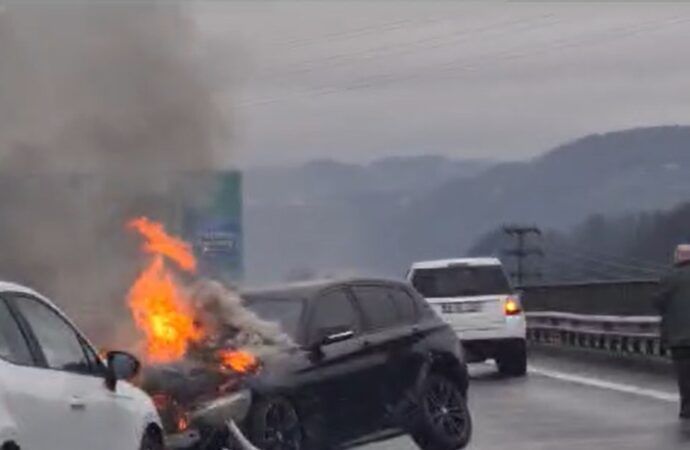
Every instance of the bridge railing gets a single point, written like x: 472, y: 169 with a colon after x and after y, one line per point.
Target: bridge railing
x: 621, y: 334
x: 613, y: 316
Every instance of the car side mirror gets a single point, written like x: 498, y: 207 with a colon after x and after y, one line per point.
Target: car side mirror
x: 121, y: 366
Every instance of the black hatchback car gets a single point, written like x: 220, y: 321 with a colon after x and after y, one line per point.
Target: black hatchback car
x: 373, y: 361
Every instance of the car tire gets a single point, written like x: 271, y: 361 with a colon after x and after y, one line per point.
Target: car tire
x: 512, y: 358
x: 151, y: 441
x: 275, y: 425
x: 443, y: 419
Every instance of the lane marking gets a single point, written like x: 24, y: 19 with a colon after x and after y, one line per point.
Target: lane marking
x: 610, y: 385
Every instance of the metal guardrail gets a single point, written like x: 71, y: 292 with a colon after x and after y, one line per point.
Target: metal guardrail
x: 638, y: 335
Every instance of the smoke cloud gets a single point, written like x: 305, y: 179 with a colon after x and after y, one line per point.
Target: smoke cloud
x: 103, y: 109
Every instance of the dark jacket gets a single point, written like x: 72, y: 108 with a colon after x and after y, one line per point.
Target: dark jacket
x: 673, y: 303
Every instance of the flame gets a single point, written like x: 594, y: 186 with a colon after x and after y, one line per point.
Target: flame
x: 157, y: 303
x: 238, y: 360
x: 158, y: 242
x: 182, y: 423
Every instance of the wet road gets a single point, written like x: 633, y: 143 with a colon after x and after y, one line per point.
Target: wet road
x: 571, y: 405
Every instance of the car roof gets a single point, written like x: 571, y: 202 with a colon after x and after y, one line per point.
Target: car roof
x: 440, y: 263
x: 8, y: 286
x: 307, y: 289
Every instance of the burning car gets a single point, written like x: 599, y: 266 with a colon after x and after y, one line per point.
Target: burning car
x: 365, y: 360
x: 304, y: 366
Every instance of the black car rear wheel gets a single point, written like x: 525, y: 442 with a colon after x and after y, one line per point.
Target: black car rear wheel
x: 444, y: 421
x: 275, y: 425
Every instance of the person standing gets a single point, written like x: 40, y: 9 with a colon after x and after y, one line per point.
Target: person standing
x: 673, y: 303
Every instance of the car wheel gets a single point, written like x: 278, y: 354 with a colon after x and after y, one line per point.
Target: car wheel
x: 275, y: 425
x: 512, y: 359
x: 151, y: 441
x: 444, y: 421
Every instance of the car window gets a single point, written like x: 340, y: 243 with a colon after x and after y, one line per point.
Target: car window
x: 94, y: 361
x: 59, y: 342
x: 333, y: 310
x: 461, y: 281
x: 13, y: 345
x: 405, y: 304
x: 377, y: 305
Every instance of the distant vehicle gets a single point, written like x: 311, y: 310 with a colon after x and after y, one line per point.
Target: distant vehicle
x: 55, y: 391
x: 372, y: 361
x: 475, y: 297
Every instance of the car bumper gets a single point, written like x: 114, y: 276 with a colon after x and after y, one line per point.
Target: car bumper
x: 213, y: 415
x: 512, y: 328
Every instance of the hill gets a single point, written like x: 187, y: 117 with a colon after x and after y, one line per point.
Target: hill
x: 614, y: 173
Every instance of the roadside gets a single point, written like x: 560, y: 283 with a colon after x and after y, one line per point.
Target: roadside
x: 574, y: 364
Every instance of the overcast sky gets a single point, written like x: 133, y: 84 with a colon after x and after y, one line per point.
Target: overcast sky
x: 361, y: 80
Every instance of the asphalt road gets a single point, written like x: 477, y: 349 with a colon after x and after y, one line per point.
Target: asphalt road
x: 571, y: 404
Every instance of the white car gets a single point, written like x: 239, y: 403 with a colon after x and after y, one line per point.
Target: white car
x: 475, y: 297
x: 55, y: 391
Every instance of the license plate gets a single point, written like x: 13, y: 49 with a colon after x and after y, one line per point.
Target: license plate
x: 460, y: 308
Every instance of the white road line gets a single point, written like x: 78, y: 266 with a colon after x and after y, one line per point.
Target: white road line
x: 593, y: 382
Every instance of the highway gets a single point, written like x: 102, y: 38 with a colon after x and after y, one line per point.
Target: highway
x: 572, y: 404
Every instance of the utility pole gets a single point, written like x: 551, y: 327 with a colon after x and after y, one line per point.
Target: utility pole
x: 522, y: 251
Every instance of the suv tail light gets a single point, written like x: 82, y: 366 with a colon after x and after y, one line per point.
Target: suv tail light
x: 512, y: 306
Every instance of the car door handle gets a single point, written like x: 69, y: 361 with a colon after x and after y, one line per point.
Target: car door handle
x: 77, y: 404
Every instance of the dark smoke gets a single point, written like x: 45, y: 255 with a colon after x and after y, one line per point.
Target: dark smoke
x: 103, y: 110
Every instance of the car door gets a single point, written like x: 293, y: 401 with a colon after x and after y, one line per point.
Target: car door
x: 405, y: 358
x: 89, y: 411
x: 389, y: 333
x: 338, y: 372
x: 379, y: 327
x: 33, y: 395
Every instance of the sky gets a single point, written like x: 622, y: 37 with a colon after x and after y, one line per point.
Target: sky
x: 358, y: 81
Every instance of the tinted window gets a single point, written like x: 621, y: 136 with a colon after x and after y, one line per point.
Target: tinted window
x: 59, y: 342
x: 405, y: 305
x: 13, y: 346
x: 286, y: 312
x: 460, y: 281
x: 377, y: 305
x: 333, y: 310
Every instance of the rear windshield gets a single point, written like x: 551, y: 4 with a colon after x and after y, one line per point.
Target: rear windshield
x: 460, y: 281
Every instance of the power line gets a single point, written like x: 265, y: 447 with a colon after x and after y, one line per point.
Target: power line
x: 623, y: 259
x: 625, y: 268
x: 404, y: 48
x: 456, y: 65
x: 587, y: 267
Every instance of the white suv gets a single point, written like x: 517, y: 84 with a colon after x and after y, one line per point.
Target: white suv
x: 475, y: 297
x: 55, y: 391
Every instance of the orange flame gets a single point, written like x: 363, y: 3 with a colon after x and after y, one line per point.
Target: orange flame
x: 238, y: 360
x: 158, y: 242
x: 157, y: 303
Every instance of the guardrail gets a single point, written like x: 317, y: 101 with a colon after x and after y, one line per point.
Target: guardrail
x: 638, y: 335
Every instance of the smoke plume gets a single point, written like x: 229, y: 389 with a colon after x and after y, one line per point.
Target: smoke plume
x: 103, y: 109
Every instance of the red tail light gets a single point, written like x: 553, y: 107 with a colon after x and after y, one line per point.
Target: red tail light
x: 512, y: 306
